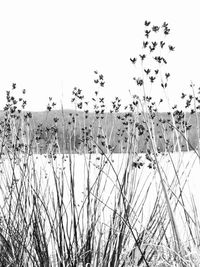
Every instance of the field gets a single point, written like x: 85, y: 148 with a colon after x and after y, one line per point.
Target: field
x: 114, y: 188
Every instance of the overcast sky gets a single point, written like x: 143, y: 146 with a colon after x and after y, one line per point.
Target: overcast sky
x: 49, y: 47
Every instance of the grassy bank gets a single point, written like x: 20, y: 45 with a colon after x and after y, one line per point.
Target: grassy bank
x: 115, y: 128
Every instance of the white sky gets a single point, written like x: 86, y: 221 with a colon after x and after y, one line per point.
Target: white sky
x: 49, y: 47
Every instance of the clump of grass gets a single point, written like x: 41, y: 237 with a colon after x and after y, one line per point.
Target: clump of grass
x: 100, y: 208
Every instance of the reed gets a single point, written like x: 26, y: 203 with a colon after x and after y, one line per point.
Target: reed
x: 91, y: 206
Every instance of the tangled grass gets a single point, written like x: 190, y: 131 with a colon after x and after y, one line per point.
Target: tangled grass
x: 99, y: 208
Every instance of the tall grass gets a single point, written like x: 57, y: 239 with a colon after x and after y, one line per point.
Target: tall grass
x: 100, y: 208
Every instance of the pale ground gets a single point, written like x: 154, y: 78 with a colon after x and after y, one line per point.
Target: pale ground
x: 186, y: 164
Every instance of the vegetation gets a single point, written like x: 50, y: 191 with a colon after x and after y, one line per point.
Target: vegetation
x: 114, y: 125
x: 45, y: 218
